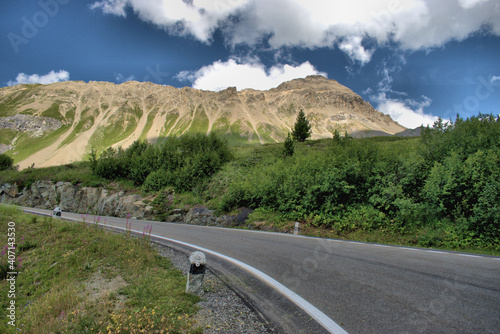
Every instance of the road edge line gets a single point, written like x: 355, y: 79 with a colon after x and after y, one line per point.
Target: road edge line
x: 314, y: 312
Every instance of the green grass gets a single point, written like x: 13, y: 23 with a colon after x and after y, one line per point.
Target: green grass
x: 76, y: 173
x: 269, y: 220
x: 121, y: 125
x: 200, y: 121
x: 221, y: 125
x: 29, y: 111
x: 9, y: 106
x: 27, y: 145
x: 181, y: 126
x: 172, y: 116
x: 53, y: 111
x: 149, y: 124
x: 86, y: 121
x: 269, y: 133
x: 7, y: 135
x: 77, y: 278
x: 239, y: 137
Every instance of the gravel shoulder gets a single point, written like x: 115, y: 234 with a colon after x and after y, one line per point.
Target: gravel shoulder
x: 221, y: 309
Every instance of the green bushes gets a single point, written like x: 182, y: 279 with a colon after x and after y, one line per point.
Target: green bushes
x: 6, y: 162
x: 442, y: 188
x: 445, y: 183
x: 178, y: 162
x: 289, y: 146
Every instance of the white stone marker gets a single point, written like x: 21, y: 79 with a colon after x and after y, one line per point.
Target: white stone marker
x: 196, y: 273
x: 296, y: 231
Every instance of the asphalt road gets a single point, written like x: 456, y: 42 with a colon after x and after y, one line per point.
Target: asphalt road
x: 365, y: 288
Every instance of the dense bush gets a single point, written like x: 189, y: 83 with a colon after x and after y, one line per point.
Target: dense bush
x: 289, y: 146
x: 442, y: 188
x: 178, y: 162
x: 448, y: 180
x: 6, y: 162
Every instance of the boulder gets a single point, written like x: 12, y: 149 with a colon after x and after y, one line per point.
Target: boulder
x: 201, y: 216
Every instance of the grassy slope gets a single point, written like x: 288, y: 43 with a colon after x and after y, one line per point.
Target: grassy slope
x: 57, y: 263
x: 27, y: 145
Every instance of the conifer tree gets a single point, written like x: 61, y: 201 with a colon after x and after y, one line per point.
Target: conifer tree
x: 302, y: 128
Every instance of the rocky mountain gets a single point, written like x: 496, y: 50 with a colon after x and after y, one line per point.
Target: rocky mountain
x: 59, y: 123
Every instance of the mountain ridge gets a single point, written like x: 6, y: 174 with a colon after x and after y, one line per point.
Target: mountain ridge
x: 102, y: 114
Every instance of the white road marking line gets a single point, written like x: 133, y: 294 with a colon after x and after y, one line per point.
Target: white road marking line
x: 315, y: 313
x: 331, y: 240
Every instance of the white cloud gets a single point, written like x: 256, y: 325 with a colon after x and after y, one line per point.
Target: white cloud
x: 411, y: 24
x: 196, y: 17
x: 46, y: 79
x: 354, y: 49
x: 495, y: 79
x: 408, y: 113
x: 115, y: 7
x: 470, y: 3
x: 120, y: 78
x: 221, y: 75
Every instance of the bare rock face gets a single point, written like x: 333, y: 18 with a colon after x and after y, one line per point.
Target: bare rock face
x: 102, y: 202
x: 28, y: 123
x: 70, y: 198
x: 92, y: 111
x: 4, y: 148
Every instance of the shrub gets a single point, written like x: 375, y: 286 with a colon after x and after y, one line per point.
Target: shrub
x: 157, y: 180
x: 6, y: 162
x: 289, y: 148
x: 179, y: 162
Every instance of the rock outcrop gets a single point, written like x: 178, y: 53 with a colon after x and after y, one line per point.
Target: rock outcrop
x: 86, y: 200
x: 28, y: 123
x: 102, y: 202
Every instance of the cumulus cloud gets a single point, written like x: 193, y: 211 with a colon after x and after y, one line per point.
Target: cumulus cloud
x: 221, y: 75
x: 355, y: 50
x: 408, y: 113
x: 411, y: 24
x: 198, y: 18
x: 45, y: 79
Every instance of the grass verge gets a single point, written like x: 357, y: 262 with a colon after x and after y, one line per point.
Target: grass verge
x: 418, y: 237
x: 77, y: 278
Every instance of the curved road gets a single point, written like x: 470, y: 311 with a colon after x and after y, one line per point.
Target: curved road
x: 365, y: 288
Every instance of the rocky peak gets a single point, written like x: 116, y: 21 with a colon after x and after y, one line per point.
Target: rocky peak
x: 134, y: 110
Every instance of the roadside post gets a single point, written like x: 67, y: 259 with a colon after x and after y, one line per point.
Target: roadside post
x: 196, y: 273
x: 296, y: 231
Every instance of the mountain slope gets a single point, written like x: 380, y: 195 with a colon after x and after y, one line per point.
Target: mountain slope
x: 101, y: 114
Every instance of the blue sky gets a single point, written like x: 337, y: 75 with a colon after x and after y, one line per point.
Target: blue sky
x: 413, y: 59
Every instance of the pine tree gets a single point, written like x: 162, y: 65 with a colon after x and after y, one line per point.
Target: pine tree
x: 302, y: 128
